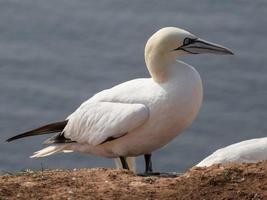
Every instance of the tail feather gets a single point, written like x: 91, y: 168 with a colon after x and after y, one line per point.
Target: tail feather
x: 50, y: 150
x: 49, y: 128
x: 130, y: 161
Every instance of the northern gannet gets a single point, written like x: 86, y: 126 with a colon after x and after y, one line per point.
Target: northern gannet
x: 138, y: 116
x: 248, y: 151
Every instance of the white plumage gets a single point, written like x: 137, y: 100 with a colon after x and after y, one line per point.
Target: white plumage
x: 146, y: 114
x: 95, y: 122
x: 139, y: 116
x: 249, y: 151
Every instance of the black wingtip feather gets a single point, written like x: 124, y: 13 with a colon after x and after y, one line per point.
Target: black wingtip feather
x: 49, y: 128
x: 58, y: 139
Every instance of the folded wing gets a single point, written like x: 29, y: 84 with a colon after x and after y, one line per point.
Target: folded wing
x: 96, y: 122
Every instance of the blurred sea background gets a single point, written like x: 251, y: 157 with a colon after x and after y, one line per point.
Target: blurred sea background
x: 55, y: 54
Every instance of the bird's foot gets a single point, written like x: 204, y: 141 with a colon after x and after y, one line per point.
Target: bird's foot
x: 160, y: 174
x: 145, y: 174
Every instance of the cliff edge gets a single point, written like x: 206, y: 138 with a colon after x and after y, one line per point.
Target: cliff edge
x: 232, y: 181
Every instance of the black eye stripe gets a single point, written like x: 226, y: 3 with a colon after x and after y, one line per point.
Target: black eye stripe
x: 188, y: 41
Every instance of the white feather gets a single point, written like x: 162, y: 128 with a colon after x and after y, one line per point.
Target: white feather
x: 248, y: 151
x: 49, y: 151
x: 95, y: 122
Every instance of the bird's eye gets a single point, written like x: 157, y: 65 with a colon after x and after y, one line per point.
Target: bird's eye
x: 188, y: 41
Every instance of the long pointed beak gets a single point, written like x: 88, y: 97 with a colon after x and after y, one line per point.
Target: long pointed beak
x: 202, y: 46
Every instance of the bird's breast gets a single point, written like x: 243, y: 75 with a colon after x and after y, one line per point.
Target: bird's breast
x: 175, y: 108
x: 169, y: 115
x: 172, y: 108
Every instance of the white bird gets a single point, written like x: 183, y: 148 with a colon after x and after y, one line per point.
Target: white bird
x: 139, y: 116
x: 248, y: 151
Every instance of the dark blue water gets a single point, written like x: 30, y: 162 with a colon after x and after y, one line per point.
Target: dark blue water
x: 55, y: 54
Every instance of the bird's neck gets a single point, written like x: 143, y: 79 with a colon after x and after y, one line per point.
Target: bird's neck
x: 161, y: 67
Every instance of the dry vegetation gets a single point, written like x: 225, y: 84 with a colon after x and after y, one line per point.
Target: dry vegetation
x: 234, y: 181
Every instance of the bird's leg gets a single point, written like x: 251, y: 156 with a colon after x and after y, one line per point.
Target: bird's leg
x: 148, y: 169
x: 124, y: 163
x: 148, y: 163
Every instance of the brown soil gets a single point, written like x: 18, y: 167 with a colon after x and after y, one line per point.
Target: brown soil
x: 234, y: 181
